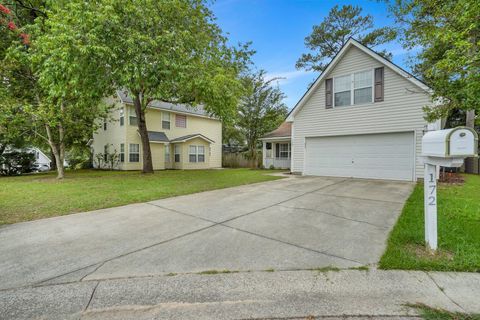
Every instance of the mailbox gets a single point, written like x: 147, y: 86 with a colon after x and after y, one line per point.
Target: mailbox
x: 458, y: 142
x: 446, y: 148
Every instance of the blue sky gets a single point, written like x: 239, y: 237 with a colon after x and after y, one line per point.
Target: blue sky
x: 277, y: 29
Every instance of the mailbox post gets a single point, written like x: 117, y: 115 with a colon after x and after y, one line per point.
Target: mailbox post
x: 447, y: 148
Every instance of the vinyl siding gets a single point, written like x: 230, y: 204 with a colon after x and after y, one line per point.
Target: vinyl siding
x: 401, y: 110
x: 114, y: 135
x: 128, y: 134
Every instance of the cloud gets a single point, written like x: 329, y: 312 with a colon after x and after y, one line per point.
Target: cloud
x: 287, y: 76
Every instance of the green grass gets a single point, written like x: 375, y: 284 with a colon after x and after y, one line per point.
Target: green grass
x: 428, y: 313
x: 458, y: 231
x: 30, y: 197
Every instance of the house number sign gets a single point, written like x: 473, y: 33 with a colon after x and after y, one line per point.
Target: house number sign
x: 430, y: 196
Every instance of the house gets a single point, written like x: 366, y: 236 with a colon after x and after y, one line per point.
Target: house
x: 41, y: 159
x: 181, y: 137
x: 363, y: 117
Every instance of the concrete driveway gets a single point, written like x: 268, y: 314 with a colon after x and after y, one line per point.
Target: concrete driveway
x: 294, y: 223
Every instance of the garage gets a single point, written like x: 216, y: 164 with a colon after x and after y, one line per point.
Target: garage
x: 375, y: 156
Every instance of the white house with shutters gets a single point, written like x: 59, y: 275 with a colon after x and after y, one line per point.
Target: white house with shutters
x: 363, y: 117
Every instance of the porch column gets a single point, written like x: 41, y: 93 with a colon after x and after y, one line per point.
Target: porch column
x: 264, y: 152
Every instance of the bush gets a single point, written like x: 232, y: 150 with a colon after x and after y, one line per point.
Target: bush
x: 16, y: 162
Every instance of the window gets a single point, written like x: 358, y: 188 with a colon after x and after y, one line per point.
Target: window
x: 268, y: 147
x: 122, y: 117
x: 166, y: 120
x: 167, y: 153
x: 105, y: 153
x: 177, y: 153
x: 342, y: 89
x: 353, y: 89
x: 201, y: 154
x: 134, y: 152
x: 196, y: 153
x: 122, y: 152
x: 283, y: 150
x: 105, y: 124
x: 132, y: 117
x: 192, y: 154
x: 362, y: 87
x: 181, y: 121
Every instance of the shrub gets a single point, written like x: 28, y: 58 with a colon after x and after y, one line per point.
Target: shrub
x: 16, y: 162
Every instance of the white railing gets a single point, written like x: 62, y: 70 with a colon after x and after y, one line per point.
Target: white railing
x: 280, y: 163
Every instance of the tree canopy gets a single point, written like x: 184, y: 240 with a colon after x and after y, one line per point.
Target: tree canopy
x: 447, y: 34
x: 261, y: 109
x: 333, y: 32
x: 170, y: 51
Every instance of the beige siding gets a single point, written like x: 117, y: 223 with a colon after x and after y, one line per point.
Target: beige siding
x: 185, y: 162
x: 400, y: 111
x: 128, y: 134
x: 113, y: 136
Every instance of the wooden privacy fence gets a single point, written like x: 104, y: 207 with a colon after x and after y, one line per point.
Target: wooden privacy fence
x: 238, y: 160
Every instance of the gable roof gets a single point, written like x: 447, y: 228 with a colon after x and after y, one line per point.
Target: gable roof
x: 190, y: 137
x: 284, y: 131
x: 353, y: 43
x: 198, y: 110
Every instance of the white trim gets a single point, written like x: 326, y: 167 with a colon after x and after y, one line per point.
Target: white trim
x: 338, y: 57
x: 193, y: 137
x: 276, y: 138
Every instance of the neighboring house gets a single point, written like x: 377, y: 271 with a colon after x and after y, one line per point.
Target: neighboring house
x: 277, y: 147
x: 42, y: 162
x: 40, y: 158
x: 181, y: 137
x: 363, y: 117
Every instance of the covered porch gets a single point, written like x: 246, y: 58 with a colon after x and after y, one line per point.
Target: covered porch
x: 277, y: 154
x: 277, y: 147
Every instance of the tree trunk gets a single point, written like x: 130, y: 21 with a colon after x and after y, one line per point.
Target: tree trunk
x: 58, y: 151
x: 53, y: 163
x: 470, y: 123
x: 142, y: 130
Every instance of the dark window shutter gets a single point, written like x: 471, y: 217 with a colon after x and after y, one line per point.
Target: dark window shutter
x: 379, y: 76
x: 277, y: 150
x: 329, y: 93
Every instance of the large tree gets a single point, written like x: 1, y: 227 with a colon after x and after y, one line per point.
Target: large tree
x: 261, y: 109
x: 48, y: 75
x: 448, y: 35
x: 170, y: 51
x: 333, y: 32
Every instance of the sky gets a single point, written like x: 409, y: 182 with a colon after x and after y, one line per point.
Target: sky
x: 277, y: 29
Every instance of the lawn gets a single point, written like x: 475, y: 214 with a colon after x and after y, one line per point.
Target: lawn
x: 458, y: 231
x: 37, y: 196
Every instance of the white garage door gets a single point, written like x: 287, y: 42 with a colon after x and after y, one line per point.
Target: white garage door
x: 376, y: 156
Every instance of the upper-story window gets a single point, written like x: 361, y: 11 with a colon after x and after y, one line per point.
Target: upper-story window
x: 166, y: 120
x: 122, y: 117
x: 352, y: 89
x: 180, y: 120
x: 132, y: 117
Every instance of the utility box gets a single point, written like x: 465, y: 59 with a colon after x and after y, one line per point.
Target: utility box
x: 458, y: 142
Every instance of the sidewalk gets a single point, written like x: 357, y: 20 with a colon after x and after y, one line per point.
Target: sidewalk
x: 248, y: 295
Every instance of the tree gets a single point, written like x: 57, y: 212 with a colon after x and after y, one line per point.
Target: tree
x: 333, y: 32
x: 170, y: 51
x: 49, y: 74
x: 448, y: 33
x: 261, y: 110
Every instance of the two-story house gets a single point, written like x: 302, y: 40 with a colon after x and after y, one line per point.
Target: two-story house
x: 363, y: 117
x: 181, y: 137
